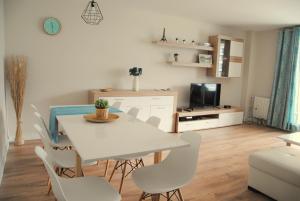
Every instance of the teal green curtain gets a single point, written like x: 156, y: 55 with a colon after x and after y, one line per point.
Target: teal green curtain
x: 283, y: 112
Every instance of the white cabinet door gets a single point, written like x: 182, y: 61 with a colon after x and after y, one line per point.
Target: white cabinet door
x: 236, y: 49
x: 235, y: 69
x: 198, y: 125
x: 228, y: 119
x: 165, y: 113
x: 160, y: 106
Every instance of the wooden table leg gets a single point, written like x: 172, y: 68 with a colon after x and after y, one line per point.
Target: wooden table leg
x: 78, y: 170
x: 157, y: 157
x: 106, y: 168
x: 155, y: 197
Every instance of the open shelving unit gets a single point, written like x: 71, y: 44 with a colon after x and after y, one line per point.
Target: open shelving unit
x: 197, y: 65
x: 186, y: 46
x: 181, y: 45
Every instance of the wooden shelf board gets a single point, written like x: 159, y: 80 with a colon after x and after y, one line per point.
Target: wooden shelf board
x: 198, y: 65
x: 181, y: 45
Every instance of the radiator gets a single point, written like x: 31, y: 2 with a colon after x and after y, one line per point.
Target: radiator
x: 260, y: 107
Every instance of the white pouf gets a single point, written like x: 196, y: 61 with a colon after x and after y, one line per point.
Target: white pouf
x: 275, y: 172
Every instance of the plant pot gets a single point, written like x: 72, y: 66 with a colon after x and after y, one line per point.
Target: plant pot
x: 102, y: 113
x: 136, y: 83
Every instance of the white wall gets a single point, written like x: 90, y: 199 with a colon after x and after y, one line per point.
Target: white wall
x: 3, y: 133
x: 63, y: 67
x: 260, y: 65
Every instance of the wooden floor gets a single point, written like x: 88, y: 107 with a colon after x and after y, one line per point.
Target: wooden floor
x: 221, y: 174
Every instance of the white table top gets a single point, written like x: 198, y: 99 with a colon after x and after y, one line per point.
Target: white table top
x: 127, y: 135
x: 293, y: 138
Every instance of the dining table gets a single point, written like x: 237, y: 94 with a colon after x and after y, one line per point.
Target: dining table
x: 124, y: 136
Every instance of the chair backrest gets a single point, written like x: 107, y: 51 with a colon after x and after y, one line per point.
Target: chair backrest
x: 44, y: 137
x: 154, y: 121
x: 55, y: 179
x: 42, y: 122
x: 182, y: 162
x: 133, y: 112
x: 34, y: 108
x: 117, y: 105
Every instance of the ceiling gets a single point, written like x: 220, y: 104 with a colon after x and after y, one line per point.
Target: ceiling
x: 251, y: 15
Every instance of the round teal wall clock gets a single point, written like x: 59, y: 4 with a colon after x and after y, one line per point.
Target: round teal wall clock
x: 52, y: 26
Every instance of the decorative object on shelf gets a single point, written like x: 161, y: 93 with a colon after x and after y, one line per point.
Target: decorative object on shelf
x: 92, y: 13
x: 205, y: 59
x: 52, y: 26
x: 183, y: 41
x: 176, y: 57
x: 101, y: 108
x: 193, y: 42
x: 106, y: 89
x: 164, y: 39
x: 16, y: 75
x: 177, y: 40
x: 135, y: 72
x: 206, y: 44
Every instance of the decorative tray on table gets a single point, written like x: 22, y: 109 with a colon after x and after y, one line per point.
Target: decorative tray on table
x: 93, y: 118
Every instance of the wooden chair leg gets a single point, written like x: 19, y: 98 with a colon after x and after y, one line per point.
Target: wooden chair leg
x: 106, y: 168
x: 180, y: 195
x: 168, y: 196
x: 113, y: 172
x: 123, y: 176
x: 155, y: 197
x: 49, y: 186
x: 142, y: 196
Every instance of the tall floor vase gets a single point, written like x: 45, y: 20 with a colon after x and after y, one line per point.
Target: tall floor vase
x: 16, y: 73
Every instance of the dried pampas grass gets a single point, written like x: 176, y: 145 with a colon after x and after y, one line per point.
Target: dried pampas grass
x: 16, y: 75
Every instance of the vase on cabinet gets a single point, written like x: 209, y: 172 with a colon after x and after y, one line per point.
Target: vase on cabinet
x: 136, y: 83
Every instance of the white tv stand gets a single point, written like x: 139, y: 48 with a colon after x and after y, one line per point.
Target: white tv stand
x: 208, y: 118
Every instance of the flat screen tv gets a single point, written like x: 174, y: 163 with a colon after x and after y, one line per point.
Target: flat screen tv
x: 205, y: 95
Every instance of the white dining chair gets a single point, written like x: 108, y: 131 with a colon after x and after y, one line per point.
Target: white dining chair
x: 62, y: 140
x: 117, y: 105
x: 34, y: 108
x: 132, y: 161
x: 64, y: 159
x: 171, y: 174
x: 134, y: 112
x: 77, y: 189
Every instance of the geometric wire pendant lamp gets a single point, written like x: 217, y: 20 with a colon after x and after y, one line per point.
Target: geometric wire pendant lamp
x: 92, y: 13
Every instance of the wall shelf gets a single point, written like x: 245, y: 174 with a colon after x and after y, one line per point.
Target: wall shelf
x: 198, y: 65
x: 181, y: 45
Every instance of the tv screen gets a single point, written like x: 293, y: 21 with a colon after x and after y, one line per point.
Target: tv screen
x: 205, y: 95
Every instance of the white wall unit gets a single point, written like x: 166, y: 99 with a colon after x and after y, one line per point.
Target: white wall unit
x: 235, y: 69
x: 236, y: 48
x: 208, y: 118
x: 228, y: 56
x: 150, y: 103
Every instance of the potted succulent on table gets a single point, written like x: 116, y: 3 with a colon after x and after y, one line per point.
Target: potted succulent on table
x: 135, y: 72
x: 102, y: 108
